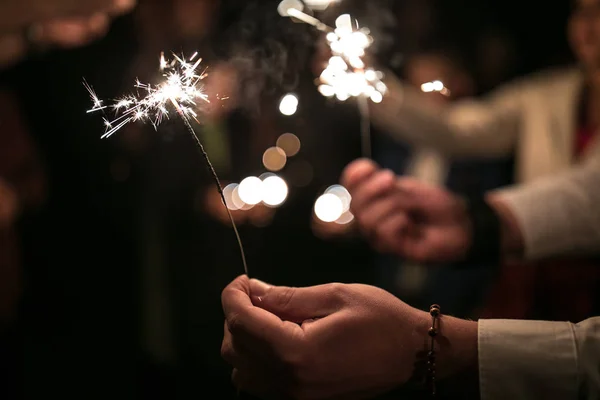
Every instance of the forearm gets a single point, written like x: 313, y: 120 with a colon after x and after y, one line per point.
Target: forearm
x: 467, y: 128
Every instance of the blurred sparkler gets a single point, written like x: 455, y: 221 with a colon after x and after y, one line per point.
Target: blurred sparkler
x: 180, y: 93
x: 346, y: 74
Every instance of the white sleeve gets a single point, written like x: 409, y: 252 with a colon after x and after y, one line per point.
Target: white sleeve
x: 525, y: 360
x: 487, y: 128
x: 559, y: 215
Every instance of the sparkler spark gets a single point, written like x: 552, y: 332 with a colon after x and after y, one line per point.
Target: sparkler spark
x: 346, y: 74
x: 180, y: 91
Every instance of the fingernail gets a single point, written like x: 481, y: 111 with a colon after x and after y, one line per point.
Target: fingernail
x: 258, y: 288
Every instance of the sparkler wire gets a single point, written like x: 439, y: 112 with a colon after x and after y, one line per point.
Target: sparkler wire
x: 347, y: 61
x: 211, y: 168
x: 365, y: 126
x: 181, y: 88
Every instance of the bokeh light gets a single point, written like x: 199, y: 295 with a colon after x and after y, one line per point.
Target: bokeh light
x: 289, y: 105
x: 274, y: 159
x: 251, y: 190
x: 237, y: 201
x: 228, y: 192
x: 345, y: 216
x: 435, y: 86
x: 319, y: 5
x: 345, y: 219
x: 289, y: 143
x: 341, y: 193
x: 275, y: 191
x: 329, y: 207
x: 285, y: 5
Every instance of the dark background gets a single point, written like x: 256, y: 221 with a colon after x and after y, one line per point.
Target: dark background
x: 80, y: 331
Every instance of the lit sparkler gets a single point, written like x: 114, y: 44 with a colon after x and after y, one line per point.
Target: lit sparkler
x: 180, y: 93
x: 181, y: 89
x: 346, y: 74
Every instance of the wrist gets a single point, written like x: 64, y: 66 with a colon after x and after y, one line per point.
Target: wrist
x: 454, y: 355
x: 457, y: 346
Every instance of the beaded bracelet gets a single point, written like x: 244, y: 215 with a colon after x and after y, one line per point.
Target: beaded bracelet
x: 435, y: 312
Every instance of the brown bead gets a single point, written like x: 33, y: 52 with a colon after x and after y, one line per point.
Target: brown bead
x: 432, y: 332
x: 434, y: 310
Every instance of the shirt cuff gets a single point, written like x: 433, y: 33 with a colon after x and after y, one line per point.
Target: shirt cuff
x: 548, y: 228
x: 527, y: 360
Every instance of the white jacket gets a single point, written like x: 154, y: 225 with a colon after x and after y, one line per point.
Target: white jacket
x: 534, y: 118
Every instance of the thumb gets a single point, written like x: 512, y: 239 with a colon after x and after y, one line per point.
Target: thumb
x: 296, y: 304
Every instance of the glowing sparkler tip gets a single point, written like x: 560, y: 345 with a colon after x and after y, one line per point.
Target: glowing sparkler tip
x: 181, y: 89
x: 345, y: 75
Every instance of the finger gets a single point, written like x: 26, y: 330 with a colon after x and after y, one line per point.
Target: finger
x: 74, y: 32
x: 379, y: 211
x: 357, y: 172
x: 46, y: 10
x: 254, y: 326
x: 297, y: 304
x: 65, y: 33
x: 380, y: 184
x: 413, y: 188
x: 98, y: 25
x: 228, y: 351
x: 388, y: 237
x: 122, y: 6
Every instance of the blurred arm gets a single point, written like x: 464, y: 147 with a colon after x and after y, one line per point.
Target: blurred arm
x: 551, y: 217
x: 15, y: 15
x: 539, y: 360
x: 487, y: 128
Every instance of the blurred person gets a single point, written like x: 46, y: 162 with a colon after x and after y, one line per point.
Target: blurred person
x: 414, y: 282
x: 22, y: 191
x: 548, y: 121
x: 24, y: 25
x: 548, y: 132
x: 28, y: 27
x: 308, y: 329
x: 460, y: 289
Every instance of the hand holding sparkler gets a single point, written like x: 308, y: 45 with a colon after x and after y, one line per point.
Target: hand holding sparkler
x: 182, y: 93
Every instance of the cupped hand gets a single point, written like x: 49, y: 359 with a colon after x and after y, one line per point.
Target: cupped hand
x: 406, y: 217
x: 322, y: 342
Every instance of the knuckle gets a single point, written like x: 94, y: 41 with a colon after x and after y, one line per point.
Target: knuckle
x: 234, y: 323
x: 337, y: 292
x: 285, y: 297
